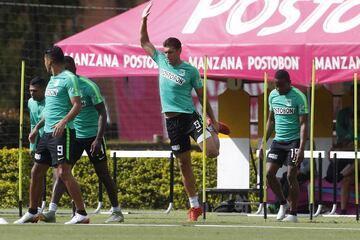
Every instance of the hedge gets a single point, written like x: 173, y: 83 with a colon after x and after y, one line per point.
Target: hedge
x: 142, y: 182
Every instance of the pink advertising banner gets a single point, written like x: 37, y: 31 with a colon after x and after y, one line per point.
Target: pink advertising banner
x: 242, y: 39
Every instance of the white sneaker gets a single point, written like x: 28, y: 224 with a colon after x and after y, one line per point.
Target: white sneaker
x: 27, y: 218
x: 290, y: 218
x: 116, y: 216
x: 282, y: 211
x: 79, y: 219
x: 3, y: 221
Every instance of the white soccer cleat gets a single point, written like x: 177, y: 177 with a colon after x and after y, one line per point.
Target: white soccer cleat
x: 3, y: 221
x: 27, y: 218
x: 282, y: 211
x: 116, y: 216
x: 79, y: 219
x: 290, y: 218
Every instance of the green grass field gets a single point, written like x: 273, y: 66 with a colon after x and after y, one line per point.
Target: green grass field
x: 175, y: 226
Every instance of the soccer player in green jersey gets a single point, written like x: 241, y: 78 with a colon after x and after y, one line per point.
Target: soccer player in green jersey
x: 56, y: 147
x: 90, y: 126
x: 177, y: 79
x: 345, y: 142
x: 36, y: 105
x: 288, y: 115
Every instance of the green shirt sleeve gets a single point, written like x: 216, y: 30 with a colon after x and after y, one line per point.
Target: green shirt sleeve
x: 72, y: 86
x: 158, y: 56
x: 95, y: 94
x: 32, y: 121
x: 270, y: 103
x: 196, y: 79
x: 302, y: 104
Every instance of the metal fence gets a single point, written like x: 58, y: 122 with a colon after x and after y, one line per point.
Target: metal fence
x: 27, y: 29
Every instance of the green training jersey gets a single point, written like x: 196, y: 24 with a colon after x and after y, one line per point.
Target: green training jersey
x: 60, y: 89
x: 86, y: 122
x: 176, y: 84
x: 287, y: 109
x: 36, y: 113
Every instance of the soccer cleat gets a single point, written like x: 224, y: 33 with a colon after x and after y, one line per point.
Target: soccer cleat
x: 290, y: 218
x: 79, y: 219
x: 3, y: 221
x: 27, y: 218
x: 115, y: 217
x: 282, y: 211
x: 223, y: 128
x: 194, y: 213
x: 47, y: 217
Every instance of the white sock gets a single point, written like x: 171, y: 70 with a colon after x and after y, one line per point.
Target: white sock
x: 194, y: 202
x: 116, y: 209
x: 53, y: 207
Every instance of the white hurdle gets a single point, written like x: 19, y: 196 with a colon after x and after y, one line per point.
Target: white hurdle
x: 338, y: 155
x: 307, y: 154
x: 115, y: 154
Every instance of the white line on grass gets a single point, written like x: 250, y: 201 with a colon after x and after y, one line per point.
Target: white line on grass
x: 223, y: 226
x: 277, y: 227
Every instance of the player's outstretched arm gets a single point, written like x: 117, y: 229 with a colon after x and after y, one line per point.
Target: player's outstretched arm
x: 144, y: 36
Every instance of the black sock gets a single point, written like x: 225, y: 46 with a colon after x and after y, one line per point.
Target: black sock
x: 81, y: 212
x: 294, y: 213
x: 33, y: 210
x: 102, y: 172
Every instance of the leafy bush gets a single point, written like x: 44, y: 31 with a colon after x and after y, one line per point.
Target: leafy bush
x: 142, y: 182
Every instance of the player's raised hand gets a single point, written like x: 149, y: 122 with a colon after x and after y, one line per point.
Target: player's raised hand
x: 147, y: 11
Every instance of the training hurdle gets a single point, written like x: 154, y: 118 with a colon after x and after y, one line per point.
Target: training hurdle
x: 117, y: 154
x: 132, y: 154
x: 43, y: 203
x: 337, y: 156
x: 307, y: 154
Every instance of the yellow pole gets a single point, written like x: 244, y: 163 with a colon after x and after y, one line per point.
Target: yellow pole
x: 313, y: 76
x: 21, y: 133
x: 264, y: 142
x: 356, y: 146
x: 204, y: 134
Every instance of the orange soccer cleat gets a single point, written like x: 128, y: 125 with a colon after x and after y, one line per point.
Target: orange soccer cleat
x: 194, y: 213
x: 223, y: 128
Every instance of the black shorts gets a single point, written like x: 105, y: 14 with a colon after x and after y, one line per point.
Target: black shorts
x: 181, y: 127
x: 53, y: 151
x: 283, y: 153
x: 85, y: 144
